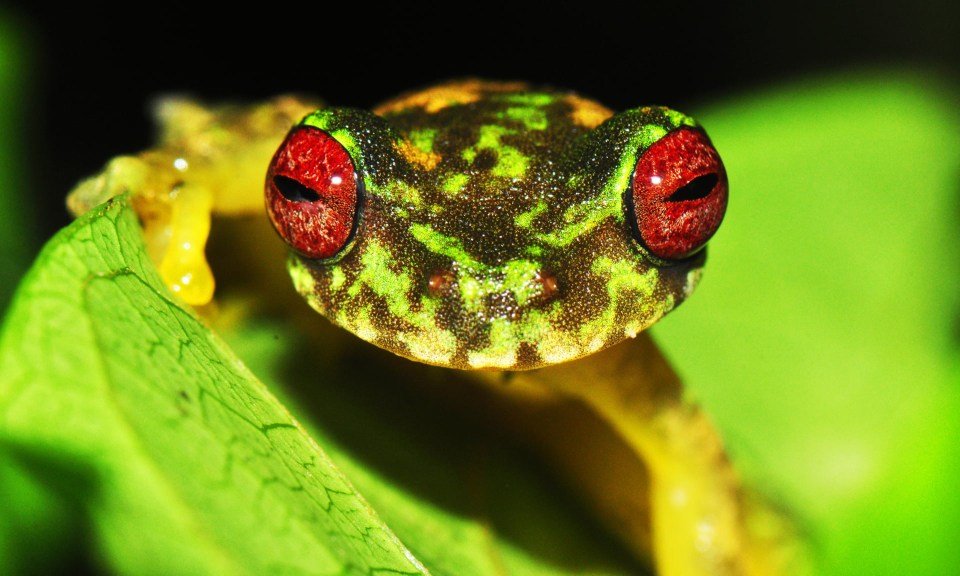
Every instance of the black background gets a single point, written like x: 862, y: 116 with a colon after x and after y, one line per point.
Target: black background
x: 92, y: 71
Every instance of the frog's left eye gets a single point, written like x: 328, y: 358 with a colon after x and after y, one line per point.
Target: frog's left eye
x: 312, y: 193
x: 679, y: 194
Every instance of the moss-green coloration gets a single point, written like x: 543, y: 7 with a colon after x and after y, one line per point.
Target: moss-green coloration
x: 520, y: 279
x: 455, y: 183
x: 525, y: 219
x: 510, y: 163
x: 402, y: 194
x: 679, y: 118
x: 337, y: 279
x: 423, y: 139
x: 442, y: 244
x: 581, y: 219
x: 303, y: 281
x: 532, y: 118
x: 623, y: 277
x: 345, y: 138
x: 494, y: 235
x: 530, y: 99
x: 391, y: 286
x: 502, y: 351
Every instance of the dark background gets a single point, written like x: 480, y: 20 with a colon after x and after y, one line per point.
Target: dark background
x: 94, y: 71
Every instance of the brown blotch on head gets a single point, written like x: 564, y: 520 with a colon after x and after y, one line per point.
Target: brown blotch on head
x: 485, y: 159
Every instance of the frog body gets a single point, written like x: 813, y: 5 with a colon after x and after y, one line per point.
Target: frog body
x: 492, y: 225
x: 480, y: 226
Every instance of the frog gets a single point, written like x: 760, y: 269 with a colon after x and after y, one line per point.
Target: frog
x: 519, y: 236
x: 590, y: 233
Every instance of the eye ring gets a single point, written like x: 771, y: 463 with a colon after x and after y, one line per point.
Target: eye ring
x: 678, y: 195
x: 313, y: 194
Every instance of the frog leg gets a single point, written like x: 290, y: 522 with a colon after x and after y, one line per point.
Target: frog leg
x: 175, y: 213
x: 183, y: 264
x: 209, y: 160
x: 702, y: 522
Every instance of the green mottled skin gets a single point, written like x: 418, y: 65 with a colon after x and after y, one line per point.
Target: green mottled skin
x: 492, y: 230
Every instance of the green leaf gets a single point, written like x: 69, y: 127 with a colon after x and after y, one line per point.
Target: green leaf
x: 124, y: 403
x: 183, y: 461
x: 465, y: 500
x: 822, y: 338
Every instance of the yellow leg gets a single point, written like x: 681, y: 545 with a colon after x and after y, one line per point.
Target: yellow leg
x: 183, y: 265
x: 700, y: 517
x: 208, y: 160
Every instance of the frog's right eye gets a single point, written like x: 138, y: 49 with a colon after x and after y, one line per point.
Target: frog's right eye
x: 313, y: 193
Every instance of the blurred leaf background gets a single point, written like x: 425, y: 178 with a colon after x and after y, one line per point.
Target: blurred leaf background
x: 823, y: 338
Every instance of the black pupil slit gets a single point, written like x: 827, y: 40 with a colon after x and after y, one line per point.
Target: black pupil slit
x: 294, y: 191
x: 696, y: 189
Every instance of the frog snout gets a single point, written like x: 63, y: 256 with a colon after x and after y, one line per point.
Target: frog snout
x: 496, y: 291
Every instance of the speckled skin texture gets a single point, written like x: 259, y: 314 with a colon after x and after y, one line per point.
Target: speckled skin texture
x: 492, y: 228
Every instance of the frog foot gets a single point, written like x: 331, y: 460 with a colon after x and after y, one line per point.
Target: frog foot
x: 175, y: 216
x: 208, y: 160
x: 183, y: 264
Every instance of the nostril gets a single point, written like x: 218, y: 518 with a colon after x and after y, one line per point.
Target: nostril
x: 549, y: 289
x: 440, y: 282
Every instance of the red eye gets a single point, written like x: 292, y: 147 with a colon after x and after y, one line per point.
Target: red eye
x: 679, y: 194
x: 312, y: 193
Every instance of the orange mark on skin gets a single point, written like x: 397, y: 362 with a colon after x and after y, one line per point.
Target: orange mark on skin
x: 587, y: 113
x: 437, y: 98
x: 414, y: 155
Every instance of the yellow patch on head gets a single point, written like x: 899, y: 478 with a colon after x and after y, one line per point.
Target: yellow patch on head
x: 414, y: 155
x: 440, y: 97
x: 557, y: 346
x: 431, y: 346
x: 499, y: 359
x: 587, y: 113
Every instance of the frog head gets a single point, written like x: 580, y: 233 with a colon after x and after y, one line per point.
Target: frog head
x: 483, y: 225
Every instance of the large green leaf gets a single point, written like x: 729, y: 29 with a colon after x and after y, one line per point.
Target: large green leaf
x: 186, y: 464
x: 182, y: 462
x: 458, y: 495
x: 822, y: 339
